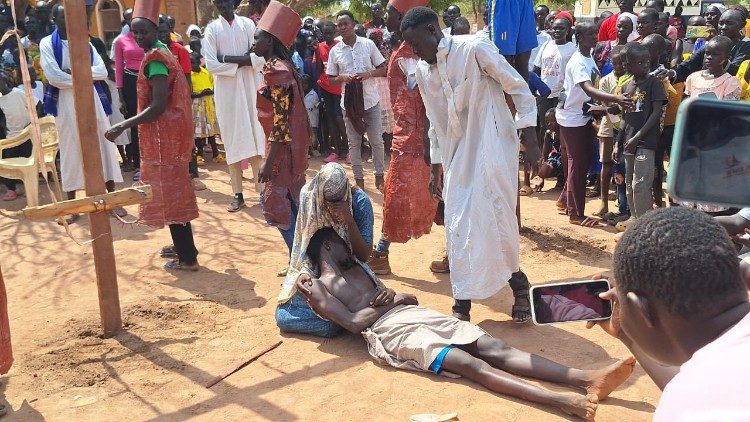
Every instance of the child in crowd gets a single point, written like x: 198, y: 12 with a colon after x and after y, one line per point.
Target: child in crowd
x: 312, y: 102
x: 37, y: 88
x: 554, y: 161
x: 610, y: 124
x: 204, y: 112
x: 713, y: 81
x: 641, y: 130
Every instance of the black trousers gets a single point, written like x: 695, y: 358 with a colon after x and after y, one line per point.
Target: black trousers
x: 130, y: 96
x: 184, y: 245
x: 664, y: 147
x: 518, y: 281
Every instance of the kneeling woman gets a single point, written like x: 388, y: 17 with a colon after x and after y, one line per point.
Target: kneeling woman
x: 283, y: 115
x: 165, y: 132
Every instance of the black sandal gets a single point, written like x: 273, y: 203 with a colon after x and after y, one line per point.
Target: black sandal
x: 168, y: 252
x: 520, y: 285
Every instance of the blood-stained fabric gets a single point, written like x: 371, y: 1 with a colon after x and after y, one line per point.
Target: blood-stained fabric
x: 166, y: 148
x: 288, y: 174
x: 6, y: 351
x: 408, y: 206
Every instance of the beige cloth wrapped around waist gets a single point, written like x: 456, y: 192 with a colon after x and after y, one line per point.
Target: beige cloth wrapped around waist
x: 411, y: 337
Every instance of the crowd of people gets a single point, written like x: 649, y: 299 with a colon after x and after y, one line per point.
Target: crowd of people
x: 589, y: 103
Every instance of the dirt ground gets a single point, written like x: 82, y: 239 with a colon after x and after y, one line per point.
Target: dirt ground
x: 181, y: 330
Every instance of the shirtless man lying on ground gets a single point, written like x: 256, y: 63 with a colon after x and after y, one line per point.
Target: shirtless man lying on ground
x: 402, y: 334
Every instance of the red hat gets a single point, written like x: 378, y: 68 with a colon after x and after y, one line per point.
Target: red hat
x: 404, y: 6
x: 280, y: 21
x: 147, y: 9
x: 566, y: 15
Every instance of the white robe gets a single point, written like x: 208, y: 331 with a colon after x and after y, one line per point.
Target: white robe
x: 71, y: 162
x: 473, y: 135
x: 235, y: 88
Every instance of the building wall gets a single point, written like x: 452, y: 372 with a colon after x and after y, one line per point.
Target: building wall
x: 182, y: 10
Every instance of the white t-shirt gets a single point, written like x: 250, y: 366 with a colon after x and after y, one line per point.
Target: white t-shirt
x: 552, y: 59
x: 363, y: 56
x: 713, y: 385
x: 311, y: 104
x: 569, y: 111
x: 13, y: 105
x: 541, y: 38
x: 37, y: 92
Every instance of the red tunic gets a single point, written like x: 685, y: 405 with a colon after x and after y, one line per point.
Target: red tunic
x: 408, y: 206
x: 288, y: 174
x: 167, y: 147
x: 6, y: 350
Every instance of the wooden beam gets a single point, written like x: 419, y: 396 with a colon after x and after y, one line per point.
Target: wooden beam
x: 104, y: 253
x: 88, y: 205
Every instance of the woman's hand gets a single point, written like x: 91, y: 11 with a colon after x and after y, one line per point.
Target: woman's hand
x: 341, y: 212
x: 114, y: 132
x: 266, y: 172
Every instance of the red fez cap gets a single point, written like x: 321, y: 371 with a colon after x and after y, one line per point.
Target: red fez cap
x: 147, y: 9
x: 280, y: 21
x: 566, y: 15
x: 404, y: 6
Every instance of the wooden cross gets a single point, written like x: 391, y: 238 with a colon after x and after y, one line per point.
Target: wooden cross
x: 97, y: 201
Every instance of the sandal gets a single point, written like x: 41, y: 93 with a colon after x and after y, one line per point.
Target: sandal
x: 168, y: 252
x: 283, y: 272
x: 520, y: 286
x: 586, y: 222
x: 525, y: 191
x: 10, y: 195
x: 593, y: 193
x: 176, y: 265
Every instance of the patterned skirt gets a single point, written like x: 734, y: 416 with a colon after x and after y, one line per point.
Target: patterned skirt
x: 386, y: 109
x: 204, y: 117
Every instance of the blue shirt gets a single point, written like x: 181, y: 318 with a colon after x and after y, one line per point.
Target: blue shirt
x: 363, y: 214
x: 537, y: 86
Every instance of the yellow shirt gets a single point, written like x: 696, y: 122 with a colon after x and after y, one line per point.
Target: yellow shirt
x: 201, y: 81
x: 674, y: 98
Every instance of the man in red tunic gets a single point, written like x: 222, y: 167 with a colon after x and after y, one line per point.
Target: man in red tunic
x: 408, y: 206
x: 165, y: 130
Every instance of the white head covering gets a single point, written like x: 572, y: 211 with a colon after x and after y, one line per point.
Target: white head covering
x: 191, y: 28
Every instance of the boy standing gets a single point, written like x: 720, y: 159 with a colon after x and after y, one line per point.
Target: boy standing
x: 474, y: 139
x: 641, y: 128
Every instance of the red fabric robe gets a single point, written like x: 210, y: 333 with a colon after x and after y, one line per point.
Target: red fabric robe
x: 408, y: 206
x: 167, y: 147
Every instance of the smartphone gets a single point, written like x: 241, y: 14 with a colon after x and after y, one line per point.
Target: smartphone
x: 695, y: 32
x: 710, y: 158
x: 568, y: 302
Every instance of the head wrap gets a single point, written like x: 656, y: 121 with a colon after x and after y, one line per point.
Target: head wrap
x: 633, y: 18
x: 566, y: 15
x: 192, y: 27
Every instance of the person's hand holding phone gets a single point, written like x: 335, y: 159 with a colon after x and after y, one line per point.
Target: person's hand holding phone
x: 612, y: 325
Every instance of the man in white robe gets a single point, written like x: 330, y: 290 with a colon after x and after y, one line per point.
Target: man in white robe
x: 59, y: 76
x: 237, y: 74
x: 473, y: 135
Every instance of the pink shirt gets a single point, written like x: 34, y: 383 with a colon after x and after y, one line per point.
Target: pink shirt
x: 128, y: 55
x: 713, y: 385
x: 726, y: 86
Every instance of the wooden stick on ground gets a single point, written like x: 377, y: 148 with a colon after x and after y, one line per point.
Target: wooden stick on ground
x: 242, y: 365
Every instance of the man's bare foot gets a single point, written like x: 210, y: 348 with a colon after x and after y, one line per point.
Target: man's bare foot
x: 611, y: 377
x: 582, y: 406
x: 604, y: 209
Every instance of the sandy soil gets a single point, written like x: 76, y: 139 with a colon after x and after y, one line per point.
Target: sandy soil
x: 181, y: 330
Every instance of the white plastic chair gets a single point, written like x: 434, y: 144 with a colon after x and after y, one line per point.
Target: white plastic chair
x: 27, y: 169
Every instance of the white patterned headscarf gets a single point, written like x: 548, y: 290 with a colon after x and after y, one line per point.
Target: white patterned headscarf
x: 331, y: 184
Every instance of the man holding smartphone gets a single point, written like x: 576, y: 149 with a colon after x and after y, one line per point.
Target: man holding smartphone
x: 682, y: 309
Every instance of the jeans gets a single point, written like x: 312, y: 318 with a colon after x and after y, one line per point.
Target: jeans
x: 639, y: 178
x: 295, y: 316
x: 620, y: 190
x: 374, y: 122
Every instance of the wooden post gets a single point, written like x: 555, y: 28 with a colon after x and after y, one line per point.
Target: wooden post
x: 101, y: 232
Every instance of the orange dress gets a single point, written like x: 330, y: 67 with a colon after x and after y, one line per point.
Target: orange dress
x: 167, y: 147
x: 408, y: 206
x: 282, y: 113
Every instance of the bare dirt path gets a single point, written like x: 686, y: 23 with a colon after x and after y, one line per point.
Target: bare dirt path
x: 184, y: 329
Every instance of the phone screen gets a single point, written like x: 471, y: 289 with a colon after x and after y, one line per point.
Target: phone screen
x: 577, y: 301
x: 710, y: 159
